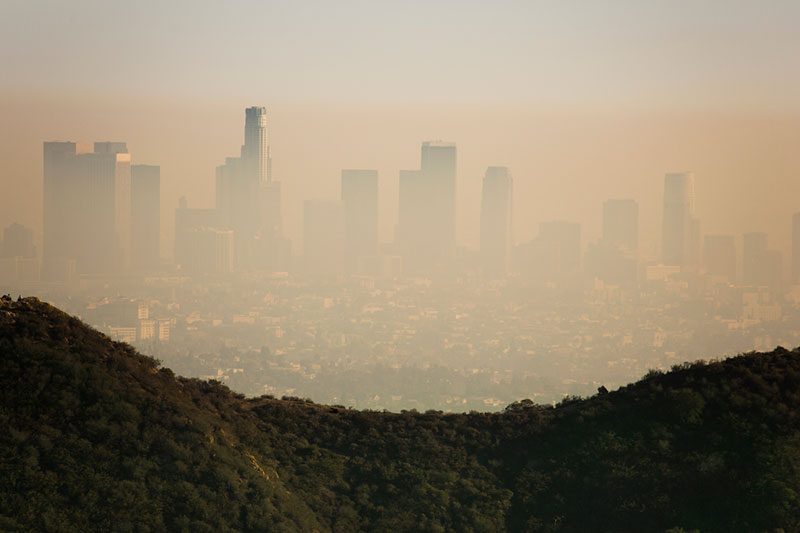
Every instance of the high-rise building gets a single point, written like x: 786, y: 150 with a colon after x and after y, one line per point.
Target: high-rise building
x: 719, y: 256
x: 796, y: 247
x: 323, y: 237
x: 87, y: 203
x: 427, y: 208
x: 754, y: 246
x: 679, y: 217
x: 613, y: 259
x: 145, y: 217
x: 18, y: 242
x: 63, y: 200
x: 496, y: 212
x: 191, y: 226
x: 439, y: 168
x: 360, y: 202
x: 255, y: 151
x: 563, y: 241
x: 18, y: 260
x: 760, y: 266
x: 246, y: 196
x: 621, y: 223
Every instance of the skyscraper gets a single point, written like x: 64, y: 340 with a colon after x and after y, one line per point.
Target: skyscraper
x: 562, y: 242
x: 719, y: 256
x: 63, y: 200
x: 360, y: 201
x: 796, y: 247
x: 496, y: 211
x: 754, y: 246
x: 760, y: 266
x: 145, y: 217
x: 427, y: 206
x: 87, y: 202
x: 18, y: 261
x: 247, y: 198
x: 18, y: 242
x: 677, y: 245
x: 323, y: 237
x: 200, y: 246
x: 439, y: 170
x: 621, y: 223
x: 255, y: 151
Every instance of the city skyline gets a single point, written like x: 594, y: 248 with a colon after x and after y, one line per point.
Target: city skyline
x: 580, y: 102
x: 249, y: 205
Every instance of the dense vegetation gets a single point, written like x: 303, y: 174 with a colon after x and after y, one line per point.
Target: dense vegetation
x: 94, y: 436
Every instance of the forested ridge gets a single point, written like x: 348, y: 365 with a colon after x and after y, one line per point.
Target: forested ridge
x: 96, y: 437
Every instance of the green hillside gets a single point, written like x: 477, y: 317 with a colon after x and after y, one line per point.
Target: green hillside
x: 96, y: 437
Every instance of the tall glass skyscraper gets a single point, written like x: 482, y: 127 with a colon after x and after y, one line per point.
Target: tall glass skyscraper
x: 247, y: 199
x: 255, y: 151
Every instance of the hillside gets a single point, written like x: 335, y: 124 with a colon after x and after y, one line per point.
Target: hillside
x: 98, y: 437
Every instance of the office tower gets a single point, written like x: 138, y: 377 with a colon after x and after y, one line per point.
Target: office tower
x: 621, y: 223
x: 87, y: 205
x: 611, y: 263
x: 18, y: 261
x: 427, y: 206
x: 18, y: 242
x: 107, y: 231
x: 323, y: 237
x: 360, y: 203
x: 564, y: 240
x: 760, y: 266
x: 63, y: 201
x: 439, y: 168
x: 496, y: 211
x: 247, y: 198
x: 678, y: 244
x: 145, y: 217
x: 557, y: 249
x: 255, y: 151
x: 195, y: 235
x: 754, y: 248
x: 796, y: 247
x: 613, y: 259
x: 412, y: 207
x: 719, y: 256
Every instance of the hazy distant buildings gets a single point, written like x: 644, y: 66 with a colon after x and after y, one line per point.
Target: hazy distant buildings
x: 18, y: 260
x: 360, y: 203
x: 323, y: 237
x: 496, y: 211
x: 554, y: 255
x: 145, y: 217
x: 719, y: 256
x: 796, y: 247
x: 249, y: 202
x: 200, y: 246
x: 621, y: 223
x: 613, y: 258
x: 427, y: 206
x: 760, y: 265
x: 680, y: 227
x: 87, y: 206
x: 18, y: 242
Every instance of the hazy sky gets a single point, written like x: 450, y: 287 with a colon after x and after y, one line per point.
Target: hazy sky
x: 583, y: 100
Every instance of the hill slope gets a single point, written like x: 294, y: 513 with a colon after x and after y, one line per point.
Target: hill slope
x: 95, y: 436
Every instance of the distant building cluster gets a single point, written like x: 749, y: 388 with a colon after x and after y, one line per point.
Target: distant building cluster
x: 102, y: 218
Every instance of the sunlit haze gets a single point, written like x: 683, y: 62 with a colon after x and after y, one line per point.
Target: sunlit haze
x: 582, y: 102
